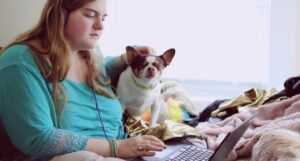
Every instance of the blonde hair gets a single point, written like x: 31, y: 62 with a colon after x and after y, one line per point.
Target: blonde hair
x: 50, y: 30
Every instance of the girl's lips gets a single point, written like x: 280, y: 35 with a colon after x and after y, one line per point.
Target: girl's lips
x: 96, y: 35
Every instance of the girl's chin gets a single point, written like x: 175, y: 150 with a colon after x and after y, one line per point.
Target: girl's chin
x: 90, y: 46
x: 84, y: 46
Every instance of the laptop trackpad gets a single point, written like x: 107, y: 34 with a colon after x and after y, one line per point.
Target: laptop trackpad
x: 171, y: 147
x: 163, y: 154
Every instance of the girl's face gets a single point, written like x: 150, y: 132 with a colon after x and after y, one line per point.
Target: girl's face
x: 84, y: 26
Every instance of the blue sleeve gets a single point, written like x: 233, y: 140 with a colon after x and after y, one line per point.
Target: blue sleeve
x: 109, y: 65
x: 61, y: 142
x: 114, y: 67
x: 28, y: 115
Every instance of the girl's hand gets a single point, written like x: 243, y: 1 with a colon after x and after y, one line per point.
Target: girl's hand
x: 145, y: 50
x: 139, y: 146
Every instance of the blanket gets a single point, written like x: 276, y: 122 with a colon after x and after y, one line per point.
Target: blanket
x: 278, y: 115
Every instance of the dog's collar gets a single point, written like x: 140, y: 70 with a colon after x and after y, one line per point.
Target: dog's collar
x: 142, y: 86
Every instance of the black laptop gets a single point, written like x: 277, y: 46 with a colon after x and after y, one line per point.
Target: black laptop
x: 181, y: 151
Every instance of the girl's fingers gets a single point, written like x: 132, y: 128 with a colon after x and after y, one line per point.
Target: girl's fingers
x: 150, y: 137
x: 146, y: 153
x: 154, y: 141
x: 149, y: 147
x: 145, y: 50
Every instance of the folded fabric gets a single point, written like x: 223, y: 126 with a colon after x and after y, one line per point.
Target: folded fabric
x: 250, y: 98
x: 169, y: 130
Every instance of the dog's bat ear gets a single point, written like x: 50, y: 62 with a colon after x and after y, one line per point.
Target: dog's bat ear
x: 168, y: 56
x: 131, y: 54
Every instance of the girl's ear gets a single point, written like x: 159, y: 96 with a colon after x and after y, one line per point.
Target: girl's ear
x: 168, y: 56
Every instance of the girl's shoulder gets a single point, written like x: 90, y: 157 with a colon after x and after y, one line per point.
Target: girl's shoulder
x: 17, y: 54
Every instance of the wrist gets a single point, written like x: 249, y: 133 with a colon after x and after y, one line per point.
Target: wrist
x: 120, y: 151
x: 114, y: 146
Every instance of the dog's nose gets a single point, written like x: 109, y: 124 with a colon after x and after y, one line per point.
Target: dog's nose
x: 150, y: 69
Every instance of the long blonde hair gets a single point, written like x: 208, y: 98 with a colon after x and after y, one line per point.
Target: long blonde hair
x: 50, y: 30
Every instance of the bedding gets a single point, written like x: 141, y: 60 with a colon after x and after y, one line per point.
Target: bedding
x: 278, y: 115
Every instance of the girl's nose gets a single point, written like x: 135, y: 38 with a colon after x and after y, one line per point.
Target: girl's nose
x: 99, y: 24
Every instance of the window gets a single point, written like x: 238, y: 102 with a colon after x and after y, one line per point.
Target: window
x: 214, y: 39
x: 223, y: 43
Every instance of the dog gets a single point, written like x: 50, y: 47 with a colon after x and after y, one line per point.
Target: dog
x: 139, y: 85
x: 277, y: 145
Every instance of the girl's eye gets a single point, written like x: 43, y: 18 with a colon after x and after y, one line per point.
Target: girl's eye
x: 90, y: 15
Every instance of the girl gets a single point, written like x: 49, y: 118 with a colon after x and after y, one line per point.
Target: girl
x: 56, y: 98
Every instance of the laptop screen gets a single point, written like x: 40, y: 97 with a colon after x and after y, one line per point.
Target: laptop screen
x: 230, y: 141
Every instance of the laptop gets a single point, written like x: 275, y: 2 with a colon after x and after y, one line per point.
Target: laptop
x: 181, y: 150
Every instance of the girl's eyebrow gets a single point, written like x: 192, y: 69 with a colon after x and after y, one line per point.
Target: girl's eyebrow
x: 92, y: 10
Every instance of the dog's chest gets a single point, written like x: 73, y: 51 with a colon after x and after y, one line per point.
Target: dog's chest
x: 133, y: 96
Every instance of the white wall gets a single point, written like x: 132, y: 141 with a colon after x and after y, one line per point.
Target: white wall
x: 296, y: 38
x: 17, y: 16
x: 281, y: 42
x: 284, y: 41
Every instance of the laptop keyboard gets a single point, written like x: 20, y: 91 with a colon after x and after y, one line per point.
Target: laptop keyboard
x: 190, y: 153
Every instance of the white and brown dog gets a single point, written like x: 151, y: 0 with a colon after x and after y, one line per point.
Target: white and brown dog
x: 139, y: 85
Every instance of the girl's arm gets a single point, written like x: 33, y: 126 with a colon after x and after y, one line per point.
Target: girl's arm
x: 28, y: 116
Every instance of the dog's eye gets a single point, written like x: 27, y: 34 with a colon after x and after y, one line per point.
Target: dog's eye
x: 145, y: 64
x: 156, y: 64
